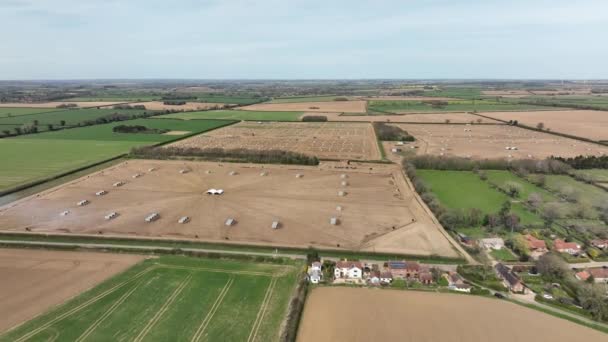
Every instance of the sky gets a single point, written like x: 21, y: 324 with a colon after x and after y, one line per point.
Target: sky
x: 304, y: 39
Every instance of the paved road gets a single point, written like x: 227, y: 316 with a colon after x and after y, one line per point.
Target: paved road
x: 589, y: 264
x: 148, y: 248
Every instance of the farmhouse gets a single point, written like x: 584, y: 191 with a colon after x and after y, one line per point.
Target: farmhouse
x: 510, y: 279
x: 562, y: 246
x: 492, y: 243
x: 599, y: 243
x: 315, y: 274
x: 348, y: 270
x: 404, y: 269
x: 599, y: 274
x: 535, y: 244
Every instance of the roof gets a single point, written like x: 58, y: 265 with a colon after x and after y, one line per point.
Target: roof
x: 403, y: 265
x: 583, y: 275
x: 599, y: 242
x: 493, y: 241
x: 348, y: 264
x: 506, y: 274
x: 598, y: 272
x: 455, y: 278
x: 561, y: 244
x: 426, y: 276
x: 535, y: 243
x: 386, y: 275
x: 317, y: 263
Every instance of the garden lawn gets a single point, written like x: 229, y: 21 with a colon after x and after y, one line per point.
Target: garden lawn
x: 236, y: 115
x: 503, y: 254
x: 465, y: 190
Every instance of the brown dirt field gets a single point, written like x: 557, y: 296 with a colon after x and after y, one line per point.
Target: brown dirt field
x: 416, y: 118
x: 379, y: 212
x: 490, y: 141
x: 361, y: 314
x: 329, y: 106
x: 590, y: 124
x: 33, y: 281
x: 324, y: 140
x: 159, y: 105
x: 85, y: 104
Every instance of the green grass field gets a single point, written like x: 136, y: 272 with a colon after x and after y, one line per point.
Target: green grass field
x: 597, y: 102
x: 8, y: 112
x: 292, y: 99
x: 236, y: 115
x: 34, y: 157
x: 465, y: 190
x: 597, y: 175
x: 501, y: 178
x: 503, y: 255
x: 582, y: 191
x: 384, y: 106
x: 173, y: 299
x: 104, y: 132
x: 71, y: 117
x: 126, y: 97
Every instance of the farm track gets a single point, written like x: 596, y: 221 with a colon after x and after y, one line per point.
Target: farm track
x: 260, y: 316
x: 83, y: 305
x: 106, y: 314
x: 163, y: 309
x: 211, y: 313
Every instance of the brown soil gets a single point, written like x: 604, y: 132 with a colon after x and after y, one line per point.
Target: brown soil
x: 33, y: 281
x: 324, y: 140
x: 360, y: 314
x: 490, y: 141
x: 329, y: 106
x: 85, y: 104
x: 379, y: 212
x: 588, y: 124
x: 177, y: 133
x: 159, y: 105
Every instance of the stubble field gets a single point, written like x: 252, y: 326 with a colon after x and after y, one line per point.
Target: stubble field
x: 324, y: 140
x: 173, y: 299
x: 34, y: 281
x: 377, y: 210
x: 359, y: 314
x: 491, y: 141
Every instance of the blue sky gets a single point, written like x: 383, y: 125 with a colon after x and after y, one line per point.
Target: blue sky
x: 70, y: 39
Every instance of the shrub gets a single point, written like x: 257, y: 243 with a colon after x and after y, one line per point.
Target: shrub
x: 391, y: 133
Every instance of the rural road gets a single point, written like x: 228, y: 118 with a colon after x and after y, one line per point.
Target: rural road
x: 589, y: 264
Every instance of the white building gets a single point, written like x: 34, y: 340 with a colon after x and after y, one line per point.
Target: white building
x: 315, y: 274
x: 492, y: 243
x: 348, y: 270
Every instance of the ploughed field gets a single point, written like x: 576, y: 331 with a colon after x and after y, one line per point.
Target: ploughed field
x: 375, y: 209
x: 324, y: 140
x: 34, y: 281
x: 363, y: 314
x: 492, y: 141
x: 173, y: 299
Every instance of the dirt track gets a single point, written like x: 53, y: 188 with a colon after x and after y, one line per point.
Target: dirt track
x: 490, y: 141
x: 323, y: 140
x: 361, y: 314
x: 590, y: 124
x: 33, y: 281
x: 329, y: 106
x: 379, y: 212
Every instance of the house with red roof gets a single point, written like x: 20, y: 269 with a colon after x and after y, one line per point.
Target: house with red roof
x: 599, y: 274
x: 404, y: 269
x: 562, y: 246
x: 535, y: 244
x: 599, y: 243
x: 348, y: 270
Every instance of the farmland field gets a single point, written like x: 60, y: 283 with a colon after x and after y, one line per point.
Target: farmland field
x: 597, y: 175
x: 323, y: 106
x: 229, y: 99
x: 335, y: 314
x: 451, y: 106
x: 126, y: 97
x: 36, y: 280
x: 335, y: 140
x: 577, y: 190
x: 588, y: 124
x: 71, y: 117
x: 176, y: 299
x: 188, y: 106
x: 449, y: 187
x: 377, y: 210
x: 292, y: 99
x: 37, y: 156
x: 491, y: 142
x: 6, y: 111
x: 237, y: 115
